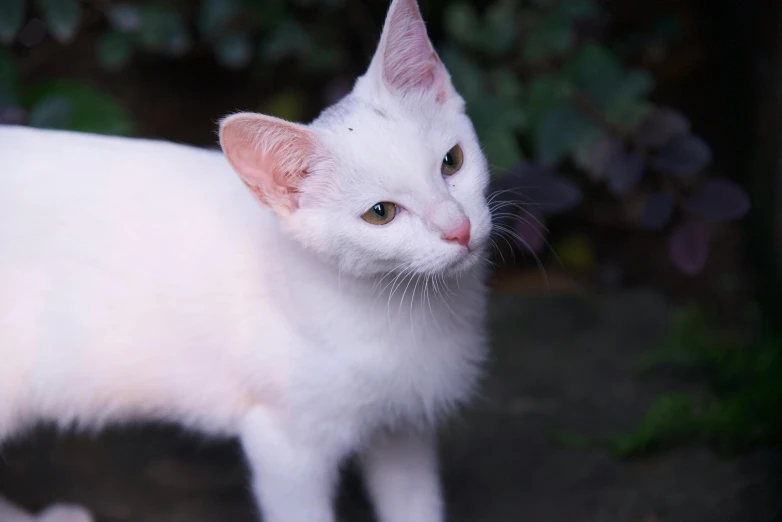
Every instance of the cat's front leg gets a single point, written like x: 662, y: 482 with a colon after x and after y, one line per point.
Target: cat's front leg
x: 401, y: 474
x: 294, y: 478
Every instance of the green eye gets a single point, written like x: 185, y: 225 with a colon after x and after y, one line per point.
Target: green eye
x: 380, y: 213
x: 452, y: 161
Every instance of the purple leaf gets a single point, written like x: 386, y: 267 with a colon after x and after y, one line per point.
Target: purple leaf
x: 683, y: 156
x: 603, y: 151
x: 657, y: 211
x: 718, y: 200
x: 541, y: 189
x: 623, y: 172
x: 689, y: 247
x: 531, y: 229
x: 660, y: 127
x: 593, y: 156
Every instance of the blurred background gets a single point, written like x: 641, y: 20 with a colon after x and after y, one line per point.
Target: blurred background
x: 637, y: 176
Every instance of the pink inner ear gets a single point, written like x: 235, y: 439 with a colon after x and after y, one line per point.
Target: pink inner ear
x: 272, y: 156
x: 409, y: 61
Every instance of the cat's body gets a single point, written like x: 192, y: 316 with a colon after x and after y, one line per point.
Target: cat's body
x: 142, y: 280
x: 176, y: 296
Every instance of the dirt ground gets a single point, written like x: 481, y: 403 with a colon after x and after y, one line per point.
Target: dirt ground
x: 560, y: 363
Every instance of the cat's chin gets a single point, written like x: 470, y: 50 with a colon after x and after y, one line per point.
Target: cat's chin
x: 467, y: 261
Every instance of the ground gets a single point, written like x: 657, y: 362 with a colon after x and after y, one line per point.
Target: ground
x: 560, y: 363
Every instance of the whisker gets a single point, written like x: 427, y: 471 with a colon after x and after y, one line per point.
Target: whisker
x: 402, y: 299
x: 497, y: 249
x: 412, y: 299
x: 394, y: 287
x: 497, y: 227
x: 390, y: 272
x: 541, y: 267
x: 401, y: 266
x: 529, y: 216
x: 429, y: 302
x: 445, y: 297
x: 545, y: 241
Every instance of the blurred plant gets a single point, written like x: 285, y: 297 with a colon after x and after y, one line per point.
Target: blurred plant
x: 556, y: 110
x: 228, y: 28
x: 546, y: 97
x: 235, y: 32
x: 60, y: 104
x: 737, y: 409
x: 744, y: 379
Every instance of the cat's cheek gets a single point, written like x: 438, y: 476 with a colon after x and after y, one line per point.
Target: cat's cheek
x: 307, y: 230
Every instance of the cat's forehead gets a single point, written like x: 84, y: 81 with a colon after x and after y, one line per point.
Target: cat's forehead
x: 366, y: 127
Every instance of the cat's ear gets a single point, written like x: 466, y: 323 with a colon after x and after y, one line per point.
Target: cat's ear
x: 405, y: 61
x: 272, y: 156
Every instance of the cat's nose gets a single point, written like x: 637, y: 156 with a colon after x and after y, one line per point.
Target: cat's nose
x: 460, y: 234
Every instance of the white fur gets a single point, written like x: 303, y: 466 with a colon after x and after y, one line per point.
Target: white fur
x: 143, y: 280
x: 54, y: 513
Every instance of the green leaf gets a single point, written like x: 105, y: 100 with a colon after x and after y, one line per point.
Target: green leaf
x: 163, y: 30
x: 467, y: 77
x: 497, y: 122
x: 502, y: 149
x: 324, y: 59
x: 500, y: 28
x: 114, y: 50
x: 288, y: 106
x: 9, y: 79
x: 90, y: 110
x: 635, y: 85
x: 461, y: 24
x: 62, y: 17
x: 492, y: 112
x: 577, y: 9
x: 52, y: 112
x: 288, y: 39
x: 215, y: 15
x: 543, y: 93
x: 234, y: 50
x: 670, y: 420
x: 506, y: 85
x: 560, y: 132
x: 265, y: 14
x: 551, y: 38
x: 628, y: 115
x: 11, y: 18
x: 597, y: 73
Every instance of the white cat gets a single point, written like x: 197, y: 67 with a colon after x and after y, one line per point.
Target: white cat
x: 335, y: 307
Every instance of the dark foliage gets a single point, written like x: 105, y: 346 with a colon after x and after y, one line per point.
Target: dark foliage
x: 554, y: 106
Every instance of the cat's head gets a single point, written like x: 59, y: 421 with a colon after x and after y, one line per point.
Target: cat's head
x: 390, y: 178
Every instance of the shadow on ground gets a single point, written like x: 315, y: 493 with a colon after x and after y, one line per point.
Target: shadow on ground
x: 560, y: 363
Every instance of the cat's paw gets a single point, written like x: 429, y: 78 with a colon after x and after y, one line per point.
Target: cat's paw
x: 64, y: 513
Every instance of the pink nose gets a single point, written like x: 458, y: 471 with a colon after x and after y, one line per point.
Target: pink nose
x: 460, y: 234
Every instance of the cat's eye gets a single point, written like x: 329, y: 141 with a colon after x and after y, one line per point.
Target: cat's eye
x: 452, y: 161
x: 380, y: 213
